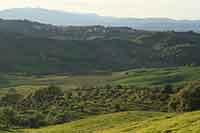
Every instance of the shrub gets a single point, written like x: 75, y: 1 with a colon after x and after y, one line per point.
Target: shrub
x: 187, y: 99
x: 10, y: 99
x: 33, y: 120
x: 8, y: 117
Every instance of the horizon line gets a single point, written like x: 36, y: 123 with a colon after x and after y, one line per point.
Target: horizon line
x: 92, y: 13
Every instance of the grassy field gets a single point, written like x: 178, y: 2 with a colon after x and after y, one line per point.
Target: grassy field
x: 136, y: 77
x: 130, y: 122
x: 26, y: 84
x: 159, y: 76
x: 97, y: 123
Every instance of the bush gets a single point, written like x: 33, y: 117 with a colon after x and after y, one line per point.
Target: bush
x: 66, y: 116
x: 33, y: 120
x: 8, y: 117
x: 47, y: 94
x: 10, y: 99
x: 187, y: 99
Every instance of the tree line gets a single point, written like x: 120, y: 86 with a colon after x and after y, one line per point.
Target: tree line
x: 52, y: 105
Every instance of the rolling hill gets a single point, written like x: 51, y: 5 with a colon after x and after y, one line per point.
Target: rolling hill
x: 129, y: 122
x: 158, y: 76
x: 97, y: 79
x: 45, y: 49
x: 80, y: 106
x: 136, y: 77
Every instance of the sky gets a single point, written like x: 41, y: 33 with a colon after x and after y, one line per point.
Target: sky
x: 176, y: 9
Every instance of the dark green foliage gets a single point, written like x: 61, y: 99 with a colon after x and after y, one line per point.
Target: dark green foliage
x: 11, y: 98
x: 187, y: 99
x: 66, y: 116
x: 47, y: 94
x: 8, y: 117
x: 50, y: 49
x: 49, y: 106
x: 52, y: 106
x: 168, y: 89
x: 43, y: 98
x: 31, y: 119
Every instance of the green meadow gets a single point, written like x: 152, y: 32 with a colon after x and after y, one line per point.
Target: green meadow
x: 135, y: 77
x: 130, y: 122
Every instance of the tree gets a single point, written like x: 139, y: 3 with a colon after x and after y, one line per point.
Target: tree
x: 11, y: 99
x: 187, y: 99
x: 33, y: 120
x: 8, y: 117
x: 47, y: 94
x: 167, y: 89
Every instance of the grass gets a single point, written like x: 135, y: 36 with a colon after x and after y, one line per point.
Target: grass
x: 136, y: 77
x: 180, y: 123
x: 159, y: 76
x: 97, y: 123
x: 26, y: 84
x: 130, y: 122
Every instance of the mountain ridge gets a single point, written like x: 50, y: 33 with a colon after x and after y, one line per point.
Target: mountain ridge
x: 63, y: 18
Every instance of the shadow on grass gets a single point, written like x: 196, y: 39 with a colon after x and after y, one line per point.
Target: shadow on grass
x: 6, y: 130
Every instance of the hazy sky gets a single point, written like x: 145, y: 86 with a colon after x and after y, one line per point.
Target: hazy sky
x: 178, y: 9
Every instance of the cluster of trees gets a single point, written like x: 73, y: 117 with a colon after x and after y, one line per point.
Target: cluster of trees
x: 186, y: 99
x: 115, y: 51
x: 51, y: 105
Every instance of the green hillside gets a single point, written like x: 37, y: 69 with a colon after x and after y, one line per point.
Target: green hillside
x: 129, y: 122
x: 28, y: 47
x: 97, y: 79
x: 158, y: 76
x: 24, y: 84
x: 99, y: 123
x: 136, y: 77
x: 51, y: 105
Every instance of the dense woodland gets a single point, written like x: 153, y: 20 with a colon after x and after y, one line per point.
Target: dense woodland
x: 30, y: 47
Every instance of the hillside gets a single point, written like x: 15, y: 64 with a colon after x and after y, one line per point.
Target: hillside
x: 100, y: 123
x: 40, y: 101
x: 52, y: 75
x: 28, y: 108
x: 157, y: 76
x: 136, y: 77
x: 45, y: 49
x: 128, y: 122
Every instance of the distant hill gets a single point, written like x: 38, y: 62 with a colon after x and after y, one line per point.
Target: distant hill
x: 67, y: 18
x: 32, y: 47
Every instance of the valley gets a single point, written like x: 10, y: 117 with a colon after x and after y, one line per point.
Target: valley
x: 136, y: 77
x: 97, y: 79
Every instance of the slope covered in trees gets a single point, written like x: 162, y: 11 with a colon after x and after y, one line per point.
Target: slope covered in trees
x: 40, y: 49
x: 52, y: 105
